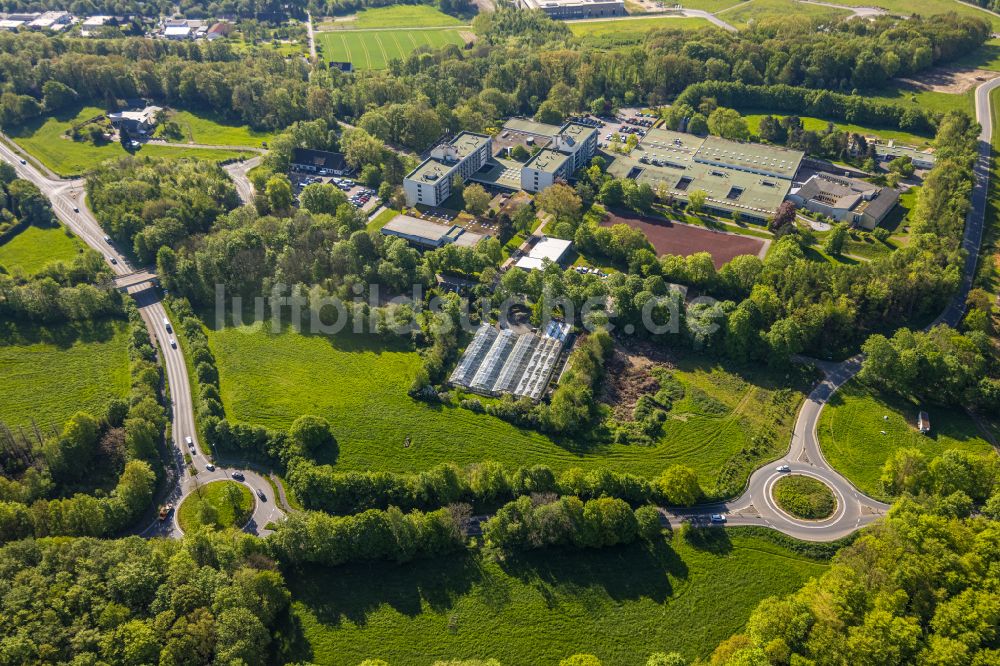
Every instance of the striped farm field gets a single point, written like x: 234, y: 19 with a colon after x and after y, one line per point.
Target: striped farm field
x: 373, y: 49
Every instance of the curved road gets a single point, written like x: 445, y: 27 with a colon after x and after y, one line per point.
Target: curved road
x: 69, y: 204
x: 854, y: 509
x: 755, y: 507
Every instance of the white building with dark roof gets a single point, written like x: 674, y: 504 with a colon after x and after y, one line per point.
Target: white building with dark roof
x: 576, y: 9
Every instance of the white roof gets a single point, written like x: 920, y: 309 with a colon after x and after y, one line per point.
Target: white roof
x: 97, y: 20
x: 180, y: 30
x: 530, y: 263
x: 11, y: 23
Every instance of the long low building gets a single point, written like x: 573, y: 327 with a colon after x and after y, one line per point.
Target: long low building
x: 746, y: 178
x: 429, y: 234
x: 503, y: 362
x: 576, y: 9
x: 546, y: 249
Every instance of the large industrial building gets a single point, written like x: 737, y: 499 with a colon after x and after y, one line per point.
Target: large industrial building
x: 499, y: 362
x: 576, y: 9
x: 430, y: 183
x: 748, y: 178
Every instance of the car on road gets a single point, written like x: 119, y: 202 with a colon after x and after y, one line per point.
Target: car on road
x: 165, y: 511
x: 107, y: 239
x: 783, y: 468
x: 189, y: 441
x: 718, y: 518
x: 23, y: 161
x: 261, y: 495
x: 210, y: 467
x: 166, y: 325
x: 112, y: 260
x: 76, y: 209
x: 238, y: 476
x: 173, y: 343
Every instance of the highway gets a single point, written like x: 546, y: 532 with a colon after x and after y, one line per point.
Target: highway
x: 69, y: 203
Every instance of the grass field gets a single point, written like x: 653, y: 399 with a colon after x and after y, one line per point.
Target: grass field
x: 361, y: 389
x: 373, y: 49
x: 761, y: 10
x: 44, y: 140
x: 634, y: 28
x: 214, y: 494
x: 804, y: 497
x: 381, y: 219
x: 35, y: 247
x: 924, y: 99
x: 394, y: 16
x: 850, y: 432
x: 986, y: 56
x: 819, y: 124
x: 50, y: 374
x: 926, y: 8
x: 709, y: 5
x: 204, y: 128
x: 620, y: 604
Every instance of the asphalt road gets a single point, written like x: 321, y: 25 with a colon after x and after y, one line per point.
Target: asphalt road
x: 69, y: 203
x: 854, y: 509
x: 755, y: 507
x: 238, y: 172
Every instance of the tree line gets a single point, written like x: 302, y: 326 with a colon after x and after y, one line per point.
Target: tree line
x: 483, y: 485
x: 123, y: 441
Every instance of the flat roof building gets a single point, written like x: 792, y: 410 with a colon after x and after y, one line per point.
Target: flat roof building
x: 429, y: 234
x: 547, y: 249
x: 887, y: 152
x: 576, y: 9
x: 430, y: 183
x: 569, y: 148
x: 751, y: 179
x: 177, y: 32
x: 846, y: 199
x: 140, y: 121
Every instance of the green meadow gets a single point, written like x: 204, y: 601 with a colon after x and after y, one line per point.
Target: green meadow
x: 50, y: 374
x: 851, y: 429
x: 621, y: 604
x: 189, y: 514
x: 34, y: 248
x: 359, y: 384
x: 206, y: 129
x: 45, y: 140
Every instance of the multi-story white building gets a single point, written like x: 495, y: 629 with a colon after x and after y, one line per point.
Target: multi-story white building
x: 576, y: 9
x: 430, y: 183
x: 570, y: 149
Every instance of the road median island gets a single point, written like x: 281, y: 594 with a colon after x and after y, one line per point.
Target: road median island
x: 804, y: 497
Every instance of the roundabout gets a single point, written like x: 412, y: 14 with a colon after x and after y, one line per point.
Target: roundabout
x: 220, y: 504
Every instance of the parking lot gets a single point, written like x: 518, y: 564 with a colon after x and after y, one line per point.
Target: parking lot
x: 627, y: 121
x: 360, y: 196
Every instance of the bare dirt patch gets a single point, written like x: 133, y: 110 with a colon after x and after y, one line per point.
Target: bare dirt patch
x: 628, y: 375
x: 671, y: 238
x: 952, y: 80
